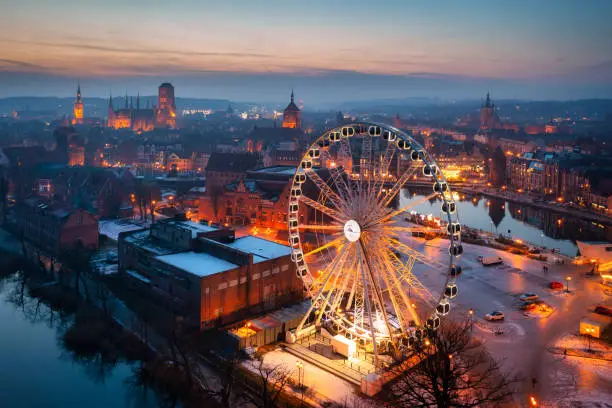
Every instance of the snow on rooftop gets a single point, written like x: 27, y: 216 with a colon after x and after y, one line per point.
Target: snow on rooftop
x: 196, y: 227
x: 197, y: 263
x: 288, y: 170
x: 261, y: 248
x: 112, y: 228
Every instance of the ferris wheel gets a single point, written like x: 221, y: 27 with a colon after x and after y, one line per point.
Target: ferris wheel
x: 368, y: 278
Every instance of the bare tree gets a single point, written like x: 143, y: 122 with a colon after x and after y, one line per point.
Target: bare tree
x: 454, y: 371
x: 271, y: 381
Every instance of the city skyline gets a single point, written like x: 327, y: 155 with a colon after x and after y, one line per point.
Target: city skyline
x: 250, y: 52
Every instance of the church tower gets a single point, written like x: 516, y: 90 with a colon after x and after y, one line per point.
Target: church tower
x: 78, y: 108
x: 292, y: 116
x: 488, y: 117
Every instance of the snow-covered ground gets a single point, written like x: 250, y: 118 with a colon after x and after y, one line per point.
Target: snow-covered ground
x: 326, y: 386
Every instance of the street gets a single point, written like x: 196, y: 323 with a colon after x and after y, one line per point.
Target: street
x: 522, y: 349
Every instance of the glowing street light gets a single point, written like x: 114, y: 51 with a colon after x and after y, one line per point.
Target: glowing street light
x: 533, y: 402
x: 471, y: 312
x: 300, y: 366
x: 589, y: 332
x: 567, y: 281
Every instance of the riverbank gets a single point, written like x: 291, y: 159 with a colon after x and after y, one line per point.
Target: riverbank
x: 523, y: 200
x: 527, y: 201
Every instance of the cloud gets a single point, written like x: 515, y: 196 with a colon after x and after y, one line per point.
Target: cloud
x: 144, y: 50
x: 20, y: 64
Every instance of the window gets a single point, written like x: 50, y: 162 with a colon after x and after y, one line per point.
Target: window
x: 265, y: 273
x: 243, y: 280
x: 256, y: 276
x: 285, y: 268
x: 233, y: 283
x: 222, y: 286
x: 275, y: 270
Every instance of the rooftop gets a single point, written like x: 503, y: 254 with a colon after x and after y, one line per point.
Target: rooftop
x: 262, y: 248
x: 143, y: 240
x: 197, y: 263
x: 195, y: 227
x: 286, y: 170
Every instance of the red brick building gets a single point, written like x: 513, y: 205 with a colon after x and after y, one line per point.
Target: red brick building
x: 207, y: 273
x: 54, y: 227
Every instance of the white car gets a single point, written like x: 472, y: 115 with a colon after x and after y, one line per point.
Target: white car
x: 529, y: 297
x: 495, y: 315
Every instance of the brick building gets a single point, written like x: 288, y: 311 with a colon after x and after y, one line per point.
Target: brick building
x: 260, y: 199
x: 225, y: 168
x: 54, y: 227
x: 207, y: 273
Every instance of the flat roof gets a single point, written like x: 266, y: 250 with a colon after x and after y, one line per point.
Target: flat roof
x: 195, y: 227
x: 288, y: 170
x: 197, y: 263
x: 262, y: 249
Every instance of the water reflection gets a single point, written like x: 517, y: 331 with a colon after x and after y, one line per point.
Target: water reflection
x: 541, y: 227
x: 48, y: 358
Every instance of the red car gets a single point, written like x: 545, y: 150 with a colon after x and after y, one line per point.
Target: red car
x: 603, y: 310
x: 555, y: 285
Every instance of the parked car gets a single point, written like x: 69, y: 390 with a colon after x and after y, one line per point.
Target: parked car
x: 529, y: 297
x: 527, y: 306
x: 555, y: 285
x: 495, y: 315
x: 603, y: 310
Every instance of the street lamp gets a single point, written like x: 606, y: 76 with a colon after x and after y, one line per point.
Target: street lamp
x: 567, y: 280
x: 542, y: 240
x: 533, y: 402
x: 300, y: 367
x: 471, y: 319
x: 588, y: 331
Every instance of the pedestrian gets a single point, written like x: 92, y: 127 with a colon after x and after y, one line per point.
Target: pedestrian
x: 534, y: 382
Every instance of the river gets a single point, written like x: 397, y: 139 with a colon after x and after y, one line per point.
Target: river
x: 38, y: 370
x: 542, y: 227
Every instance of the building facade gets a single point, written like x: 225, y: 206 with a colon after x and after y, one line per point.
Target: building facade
x: 56, y: 228
x: 144, y: 119
x: 207, y: 273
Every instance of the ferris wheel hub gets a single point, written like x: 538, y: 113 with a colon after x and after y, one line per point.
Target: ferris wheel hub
x: 352, y: 231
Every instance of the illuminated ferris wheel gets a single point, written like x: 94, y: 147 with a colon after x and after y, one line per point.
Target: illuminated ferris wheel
x: 368, y: 278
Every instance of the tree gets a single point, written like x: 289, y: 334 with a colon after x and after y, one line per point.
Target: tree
x: 271, y: 381
x: 454, y: 371
x: 498, y: 168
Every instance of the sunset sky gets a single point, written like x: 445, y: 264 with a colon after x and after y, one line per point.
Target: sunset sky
x: 440, y: 47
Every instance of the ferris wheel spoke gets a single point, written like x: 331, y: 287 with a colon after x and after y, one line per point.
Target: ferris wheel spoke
x: 334, y: 288
x: 326, y: 190
x: 407, y: 207
x: 384, y: 168
x: 376, y: 287
x: 368, y: 306
x: 330, y: 228
x: 328, y: 274
x: 341, y: 186
x: 403, y: 229
x: 390, y: 289
x: 386, y: 200
x: 322, y: 208
x: 411, y: 252
x: 334, y: 243
x: 406, y: 276
x: 393, y: 265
